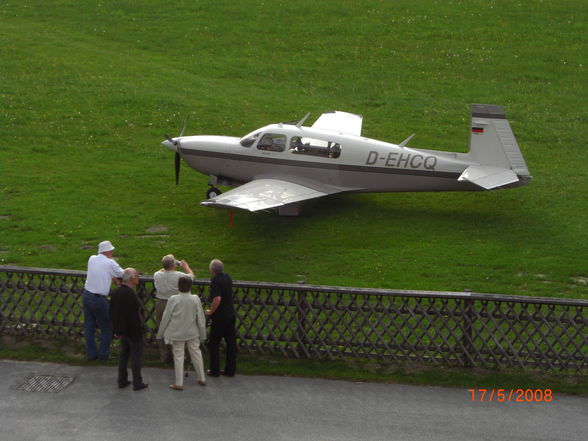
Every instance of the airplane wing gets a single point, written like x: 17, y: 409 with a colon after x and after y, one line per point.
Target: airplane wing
x: 262, y: 194
x: 340, y: 122
x: 488, y: 177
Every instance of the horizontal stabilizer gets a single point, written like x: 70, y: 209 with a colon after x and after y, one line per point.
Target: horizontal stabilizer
x: 488, y: 177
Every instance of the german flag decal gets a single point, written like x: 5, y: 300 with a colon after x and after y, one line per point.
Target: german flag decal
x: 477, y: 129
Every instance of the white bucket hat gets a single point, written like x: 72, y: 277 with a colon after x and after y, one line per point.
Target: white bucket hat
x: 105, y: 246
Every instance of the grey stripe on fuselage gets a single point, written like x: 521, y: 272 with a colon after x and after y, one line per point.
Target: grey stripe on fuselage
x: 322, y: 165
x: 488, y: 111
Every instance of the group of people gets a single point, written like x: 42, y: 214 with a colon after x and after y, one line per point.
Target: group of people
x: 180, y: 317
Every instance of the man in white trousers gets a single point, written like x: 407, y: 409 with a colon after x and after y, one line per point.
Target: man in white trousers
x: 183, y: 324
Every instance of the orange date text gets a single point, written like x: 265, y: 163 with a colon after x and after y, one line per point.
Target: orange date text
x: 511, y: 395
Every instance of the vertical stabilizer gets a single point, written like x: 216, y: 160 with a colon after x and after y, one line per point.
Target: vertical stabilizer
x: 492, y: 142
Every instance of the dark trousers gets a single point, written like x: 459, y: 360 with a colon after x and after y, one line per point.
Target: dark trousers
x: 223, y: 329
x: 132, y: 349
x: 96, y: 313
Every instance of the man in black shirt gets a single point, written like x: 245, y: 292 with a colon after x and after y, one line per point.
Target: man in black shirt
x: 223, y: 318
x: 127, y: 324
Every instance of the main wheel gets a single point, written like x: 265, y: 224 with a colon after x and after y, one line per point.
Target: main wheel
x: 212, y: 192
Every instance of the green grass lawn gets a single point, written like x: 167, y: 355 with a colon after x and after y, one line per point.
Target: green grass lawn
x: 88, y: 89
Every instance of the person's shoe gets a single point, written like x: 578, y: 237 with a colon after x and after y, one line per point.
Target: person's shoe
x: 209, y: 372
x: 140, y: 386
x: 202, y: 383
x: 226, y: 374
x: 123, y: 385
x: 175, y: 387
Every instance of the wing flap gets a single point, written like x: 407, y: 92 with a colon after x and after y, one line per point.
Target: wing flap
x: 488, y: 177
x: 262, y: 194
x: 340, y: 122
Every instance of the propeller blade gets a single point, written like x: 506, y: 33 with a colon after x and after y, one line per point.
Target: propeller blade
x: 185, y: 125
x: 178, y: 160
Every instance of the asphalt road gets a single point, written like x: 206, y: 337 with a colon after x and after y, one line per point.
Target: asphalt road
x: 257, y: 408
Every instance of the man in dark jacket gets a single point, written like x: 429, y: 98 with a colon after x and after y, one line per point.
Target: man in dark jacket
x: 127, y: 324
x: 223, y: 318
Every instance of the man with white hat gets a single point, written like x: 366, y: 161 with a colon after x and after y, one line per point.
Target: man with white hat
x: 102, y: 272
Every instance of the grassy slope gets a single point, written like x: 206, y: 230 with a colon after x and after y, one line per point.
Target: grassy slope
x: 88, y: 89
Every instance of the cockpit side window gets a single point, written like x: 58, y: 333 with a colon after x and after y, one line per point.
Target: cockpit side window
x: 315, y: 147
x: 249, y: 140
x: 272, y: 142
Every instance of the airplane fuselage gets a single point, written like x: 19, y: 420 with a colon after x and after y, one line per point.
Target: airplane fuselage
x: 363, y: 164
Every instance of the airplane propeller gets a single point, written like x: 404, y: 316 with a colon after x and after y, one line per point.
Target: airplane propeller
x: 178, y: 158
x: 177, y: 164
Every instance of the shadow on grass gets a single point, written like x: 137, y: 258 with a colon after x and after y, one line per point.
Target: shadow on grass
x: 485, y: 216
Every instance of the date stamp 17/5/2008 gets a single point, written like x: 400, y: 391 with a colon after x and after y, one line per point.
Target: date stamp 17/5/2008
x: 511, y: 395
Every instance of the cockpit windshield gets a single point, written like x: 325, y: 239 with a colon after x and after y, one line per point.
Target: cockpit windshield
x: 249, y: 140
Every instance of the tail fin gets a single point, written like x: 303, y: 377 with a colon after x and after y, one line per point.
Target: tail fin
x: 494, y: 146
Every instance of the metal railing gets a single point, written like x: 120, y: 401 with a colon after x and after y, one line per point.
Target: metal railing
x: 323, y: 322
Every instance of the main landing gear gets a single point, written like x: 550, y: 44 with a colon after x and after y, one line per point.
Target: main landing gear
x: 212, y: 192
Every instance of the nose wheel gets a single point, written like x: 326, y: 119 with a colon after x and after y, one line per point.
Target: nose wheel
x: 212, y: 192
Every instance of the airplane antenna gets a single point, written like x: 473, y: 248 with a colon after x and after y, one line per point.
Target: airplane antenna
x: 403, y: 143
x: 302, y: 120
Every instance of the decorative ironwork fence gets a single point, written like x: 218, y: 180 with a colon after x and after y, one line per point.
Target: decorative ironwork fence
x: 463, y: 329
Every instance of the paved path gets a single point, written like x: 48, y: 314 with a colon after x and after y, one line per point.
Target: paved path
x: 257, y: 408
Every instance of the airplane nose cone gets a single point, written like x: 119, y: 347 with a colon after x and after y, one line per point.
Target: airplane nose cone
x: 170, y: 145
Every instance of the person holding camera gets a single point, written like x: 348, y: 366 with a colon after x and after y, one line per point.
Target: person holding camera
x: 166, y: 285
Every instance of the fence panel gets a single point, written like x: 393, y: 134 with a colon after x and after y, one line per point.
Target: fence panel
x: 322, y: 322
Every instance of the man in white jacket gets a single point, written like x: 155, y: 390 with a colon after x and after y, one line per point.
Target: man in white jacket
x: 182, y: 324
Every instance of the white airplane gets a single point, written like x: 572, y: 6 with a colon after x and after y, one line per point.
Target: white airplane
x: 281, y: 165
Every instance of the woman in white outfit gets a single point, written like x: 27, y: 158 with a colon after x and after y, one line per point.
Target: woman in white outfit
x: 183, y: 323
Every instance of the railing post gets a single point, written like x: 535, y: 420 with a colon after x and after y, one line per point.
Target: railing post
x: 467, y: 338
x: 302, y: 309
